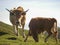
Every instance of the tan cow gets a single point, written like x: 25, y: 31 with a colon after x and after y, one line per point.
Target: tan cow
x: 18, y: 18
x: 39, y: 25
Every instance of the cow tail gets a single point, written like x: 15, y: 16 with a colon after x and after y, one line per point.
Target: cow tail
x: 56, y: 31
x: 55, y: 27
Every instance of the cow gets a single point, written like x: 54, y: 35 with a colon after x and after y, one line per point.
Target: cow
x: 18, y: 18
x: 39, y: 25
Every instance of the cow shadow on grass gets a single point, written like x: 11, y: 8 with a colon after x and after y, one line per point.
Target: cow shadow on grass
x: 3, y: 33
x: 12, y: 38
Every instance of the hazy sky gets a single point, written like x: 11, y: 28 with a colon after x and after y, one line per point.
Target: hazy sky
x: 37, y: 8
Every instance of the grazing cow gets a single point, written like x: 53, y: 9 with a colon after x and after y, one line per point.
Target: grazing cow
x: 39, y: 25
x: 18, y: 18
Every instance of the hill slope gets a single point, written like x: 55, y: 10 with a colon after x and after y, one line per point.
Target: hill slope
x: 6, y: 28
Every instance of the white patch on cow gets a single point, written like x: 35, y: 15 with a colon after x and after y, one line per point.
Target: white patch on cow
x: 20, y: 19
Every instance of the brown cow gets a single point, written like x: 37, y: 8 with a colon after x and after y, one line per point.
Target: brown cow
x: 18, y: 18
x: 38, y: 25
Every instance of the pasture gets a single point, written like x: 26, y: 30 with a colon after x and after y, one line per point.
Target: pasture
x: 7, y: 37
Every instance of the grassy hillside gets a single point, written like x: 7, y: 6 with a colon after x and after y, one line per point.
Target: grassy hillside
x: 7, y: 37
x: 5, y: 28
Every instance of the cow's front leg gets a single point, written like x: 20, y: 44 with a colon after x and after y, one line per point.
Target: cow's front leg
x: 23, y: 33
x: 29, y: 34
x: 15, y: 29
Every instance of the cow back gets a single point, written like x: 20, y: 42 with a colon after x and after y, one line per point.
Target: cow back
x: 41, y: 24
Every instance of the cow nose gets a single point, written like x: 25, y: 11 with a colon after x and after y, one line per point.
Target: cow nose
x: 17, y: 22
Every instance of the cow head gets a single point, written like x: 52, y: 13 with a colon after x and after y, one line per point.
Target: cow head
x: 17, y: 13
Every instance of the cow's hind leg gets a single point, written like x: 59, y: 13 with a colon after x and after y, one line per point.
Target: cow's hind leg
x: 49, y: 34
x: 56, y: 36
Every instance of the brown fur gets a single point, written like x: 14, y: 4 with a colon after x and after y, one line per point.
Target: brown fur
x: 38, y: 25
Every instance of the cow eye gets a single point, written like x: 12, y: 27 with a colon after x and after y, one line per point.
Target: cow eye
x: 11, y: 13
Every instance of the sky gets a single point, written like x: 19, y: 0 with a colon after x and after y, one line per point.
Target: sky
x: 37, y: 8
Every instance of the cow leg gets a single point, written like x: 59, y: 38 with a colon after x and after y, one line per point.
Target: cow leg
x: 16, y: 29
x: 29, y: 34
x: 49, y: 34
x: 55, y: 31
x: 26, y: 38
x: 35, y: 36
x: 23, y: 31
x: 56, y: 36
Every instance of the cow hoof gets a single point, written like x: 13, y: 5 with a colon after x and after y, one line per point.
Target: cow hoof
x: 46, y: 41
x: 24, y: 36
x: 24, y: 40
x: 16, y: 34
x: 36, y: 41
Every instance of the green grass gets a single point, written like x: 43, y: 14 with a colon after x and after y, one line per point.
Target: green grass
x: 5, y: 38
x: 20, y: 41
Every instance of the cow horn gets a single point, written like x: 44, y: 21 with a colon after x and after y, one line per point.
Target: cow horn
x: 7, y: 9
x: 10, y: 11
x: 27, y: 10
